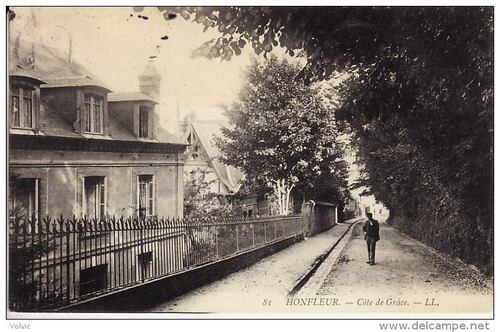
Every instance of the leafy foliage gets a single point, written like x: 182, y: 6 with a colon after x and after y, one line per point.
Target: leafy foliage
x: 199, y: 201
x: 422, y: 118
x: 282, y: 135
x: 23, y: 250
x: 418, y: 101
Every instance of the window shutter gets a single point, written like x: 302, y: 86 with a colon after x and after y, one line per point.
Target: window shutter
x: 105, y: 196
x: 137, y: 194
x: 83, y: 199
x: 149, y: 112
x: 35, y: 208
x: 153, y: 198
x: 102, y: 198
x: 36, y: 108
x: 101, y: 115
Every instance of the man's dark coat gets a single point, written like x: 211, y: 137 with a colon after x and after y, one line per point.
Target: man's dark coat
x: 371, y: 230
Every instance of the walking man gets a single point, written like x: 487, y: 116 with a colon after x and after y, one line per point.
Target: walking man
x: 370, y: 229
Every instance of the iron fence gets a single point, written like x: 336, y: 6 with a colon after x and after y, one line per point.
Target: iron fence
x: 56, y: 262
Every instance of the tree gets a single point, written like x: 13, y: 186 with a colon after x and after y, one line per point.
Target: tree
x: 418, y: 101
x: 283, y: 136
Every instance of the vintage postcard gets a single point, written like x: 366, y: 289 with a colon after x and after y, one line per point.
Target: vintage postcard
x: 250, y: 162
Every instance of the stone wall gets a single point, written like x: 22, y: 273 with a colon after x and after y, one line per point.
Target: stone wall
x: 321, y: 216
x: 61, y: 172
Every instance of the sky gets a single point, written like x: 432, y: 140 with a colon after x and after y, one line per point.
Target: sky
x: 115, y: 44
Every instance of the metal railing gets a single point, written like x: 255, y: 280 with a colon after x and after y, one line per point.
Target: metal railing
x: 57, y: 262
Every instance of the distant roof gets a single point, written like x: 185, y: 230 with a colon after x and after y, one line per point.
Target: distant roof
x: 325, y: 203
x: 49, y: 65
x: 21, y: 72
x: 54, y: 123
x: 206, y: 133
x: 62, y: 82
x: 163, y: 135
x: 230, y: 176
x: 129, y: 96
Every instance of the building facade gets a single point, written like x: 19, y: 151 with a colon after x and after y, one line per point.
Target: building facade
x: 202, y: 156
x: 76, y: 149
x: 225, y: 181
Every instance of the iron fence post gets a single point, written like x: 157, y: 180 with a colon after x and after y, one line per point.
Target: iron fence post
x: 275, y: 235
x: 253, y: 235
x: 216, y: 243
x: 265, y: 235
x: 237, y: 242
x: 123, y: 252
x: 142, y: 251
x: 68, y: 293
x: 15, y: 303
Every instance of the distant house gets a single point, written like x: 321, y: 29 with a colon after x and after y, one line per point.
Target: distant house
x: 202, y: 157
x: 201, y: 160
x: 352, y: 209
x: 75, y: 148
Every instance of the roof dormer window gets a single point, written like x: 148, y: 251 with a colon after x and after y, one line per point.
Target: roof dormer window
x: 21, y: 107
x: 143, y: 122
x: 93, y: 115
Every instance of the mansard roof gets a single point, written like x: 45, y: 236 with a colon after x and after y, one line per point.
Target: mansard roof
x: 52, y: 69
x: 129, y: 96
x: 49, y: 65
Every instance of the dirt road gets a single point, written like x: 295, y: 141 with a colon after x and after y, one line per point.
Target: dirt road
x: 409, y: 280
x: 407, y: 277
x: 262, y: 287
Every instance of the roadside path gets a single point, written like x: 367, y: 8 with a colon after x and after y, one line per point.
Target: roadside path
x: 262, y: 287
x: 407, y: 275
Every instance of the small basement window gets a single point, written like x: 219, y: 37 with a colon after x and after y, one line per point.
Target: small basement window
x: 145, y: 261
x: 93, y: 279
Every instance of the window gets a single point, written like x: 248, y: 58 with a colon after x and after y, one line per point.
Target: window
x: 24, y: 198
x: 146, y: 195
x: 94, y: 197
x: 93, y: 114
x: 143, y: 122
x: 247, y: 212
x: 21, y: 107
x: 93, y: 279
x: 145, y: 265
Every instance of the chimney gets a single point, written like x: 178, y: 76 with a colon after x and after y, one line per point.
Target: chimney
x: 31, y: 57
x: 150, y: 80
x: 17, y: 44
x: 70, y: 51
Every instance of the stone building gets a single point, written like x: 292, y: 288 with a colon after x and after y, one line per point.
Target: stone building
x: 202, y: 156
x: 225, y: 181
x: 76, y: 148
